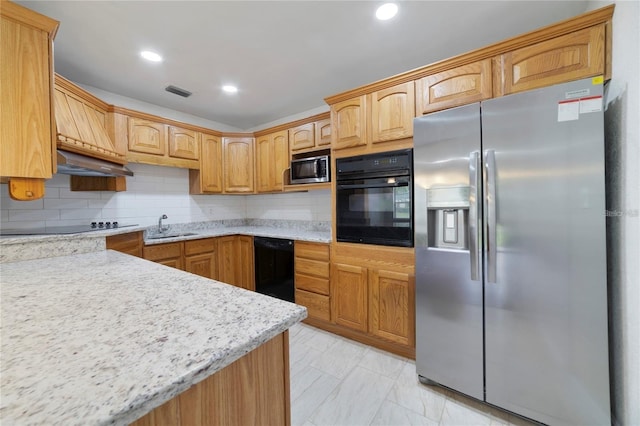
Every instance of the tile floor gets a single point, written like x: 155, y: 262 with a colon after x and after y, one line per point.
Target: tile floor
x: 337, y: 381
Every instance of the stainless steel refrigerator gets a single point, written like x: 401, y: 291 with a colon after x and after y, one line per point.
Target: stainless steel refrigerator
x: 511, y: 297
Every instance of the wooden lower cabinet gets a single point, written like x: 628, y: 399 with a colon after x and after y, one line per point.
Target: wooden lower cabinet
x: 312, y: 272
x: 201, y: 257
x: 168, y: 254
x: 254, y: 390
x: 129, y: 243
x: 372, y: 296
x: 196, y: 256
x: 349, y: 296
x: 317, y: 305
x: 391, y: 306
x: 235, y: 261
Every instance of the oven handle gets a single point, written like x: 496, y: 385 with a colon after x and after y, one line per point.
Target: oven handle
x: 373, y: 185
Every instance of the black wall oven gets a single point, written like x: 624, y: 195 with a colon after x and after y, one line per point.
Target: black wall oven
x: 374, y: 199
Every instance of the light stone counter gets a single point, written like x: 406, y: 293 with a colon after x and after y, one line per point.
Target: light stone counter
x: 22, y: 247
x: 256, y: 231
x: 103, y: 337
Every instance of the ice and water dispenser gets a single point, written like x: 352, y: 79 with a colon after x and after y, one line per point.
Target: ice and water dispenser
x: 448, y: 217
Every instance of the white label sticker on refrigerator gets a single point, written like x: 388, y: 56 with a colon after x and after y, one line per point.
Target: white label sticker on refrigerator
x: 577, y: 94
x: 590, y: 104
x: 568, y: 110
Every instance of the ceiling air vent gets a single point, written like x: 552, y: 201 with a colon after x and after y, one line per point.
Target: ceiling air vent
x: 178, y: 91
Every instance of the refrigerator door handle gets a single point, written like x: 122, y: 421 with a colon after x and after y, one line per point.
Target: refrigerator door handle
x: 490, y: 199
x: 474, y: 207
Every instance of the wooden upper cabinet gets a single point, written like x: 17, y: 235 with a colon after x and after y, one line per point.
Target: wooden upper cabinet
x: 238, y: 167
x: 281, y: 158
x: 150, y: 140
x: 272, y: 158
x: 147, y: 137
x: 263, y: 163
x: 392, y: 112
x: 349, y: 123
x: 302, y: 137
x: 183, y: 143
x: 454, y: 87
x: 323, y: 132
x: 26, y: 105
x: 208, y: 180
x: 569, y: 57
x: 349, y: 296
x: 391, y: 306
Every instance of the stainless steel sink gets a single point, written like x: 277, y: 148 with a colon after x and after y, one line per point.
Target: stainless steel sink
x: 170, y: 235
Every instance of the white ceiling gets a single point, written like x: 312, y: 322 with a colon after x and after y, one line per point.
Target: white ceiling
x: 285, y: 56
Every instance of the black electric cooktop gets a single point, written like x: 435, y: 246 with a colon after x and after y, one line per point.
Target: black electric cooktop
x: 75, y: 229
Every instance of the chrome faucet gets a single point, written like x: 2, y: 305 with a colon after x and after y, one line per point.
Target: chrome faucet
x: 160, y: 227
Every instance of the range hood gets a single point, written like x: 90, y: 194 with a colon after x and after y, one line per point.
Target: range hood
x: 84, y: 145
x: 70, y: 163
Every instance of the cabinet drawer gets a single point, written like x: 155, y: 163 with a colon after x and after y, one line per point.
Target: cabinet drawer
x: 199, y: 246
x: 316, y: 251
x: 316, y: 304
x: 130, y: 243
x: 163, y: 251
x: 312, y: 267
x: 313, y: 284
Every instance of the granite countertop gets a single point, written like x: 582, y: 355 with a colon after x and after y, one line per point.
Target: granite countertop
x: 24, y: 247
x: 256, y: 231
x: 103, y: 337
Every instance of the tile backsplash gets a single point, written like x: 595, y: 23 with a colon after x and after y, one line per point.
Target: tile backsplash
x: 151, y: 192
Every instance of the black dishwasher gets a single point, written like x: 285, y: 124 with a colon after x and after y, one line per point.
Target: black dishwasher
x: 274, y: 267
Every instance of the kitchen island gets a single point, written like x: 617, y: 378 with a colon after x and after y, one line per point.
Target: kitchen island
x: 105, y: 338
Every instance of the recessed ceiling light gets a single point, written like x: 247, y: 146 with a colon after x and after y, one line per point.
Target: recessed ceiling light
x: 386, y: 11
x: 151, y: 56
x: 230, y: 89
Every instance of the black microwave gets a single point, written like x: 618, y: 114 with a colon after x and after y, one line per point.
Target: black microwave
x: 310, y: 170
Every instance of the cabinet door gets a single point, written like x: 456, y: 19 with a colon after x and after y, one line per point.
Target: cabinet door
x: 146, y: 136
x: 392, y: 112
x: 454, y: 87
x: 244, y: 262
x: 570, y: 57
x: 302, y: 137
x: 348, y: 123
x: 26, y: 133
x: 349, y: 296
x: 391, y: 306
x: 202, y: 264
x: 280, y: 158
x: 210, y: 164
x: 183, y: 143
x: 272, y: 158
x: 227, y: 260
x: 323, y: 132
x: 238, y: 165
x: 263, y: 163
